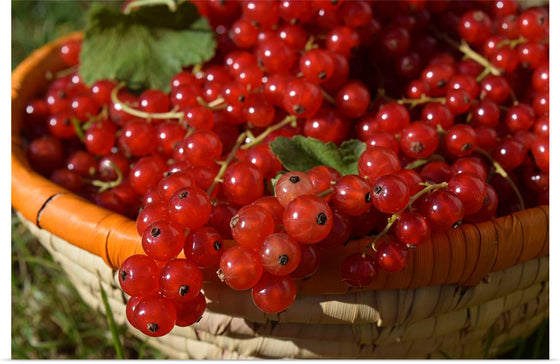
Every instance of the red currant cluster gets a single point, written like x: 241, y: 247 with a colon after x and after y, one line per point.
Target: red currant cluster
x: 197, y: 161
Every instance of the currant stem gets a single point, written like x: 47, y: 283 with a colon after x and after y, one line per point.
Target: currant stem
x: 512, y: 42
x: 513, y: 97
x: 217, y: 104
x: 470, y: 53
x: 310, y: 44
x: 422, y: 100
x: 196, y: 68
x: 325, y: 192
x: 65, y: 72
x: 502, y: 172
x: 250, y: 135
x: 78, y: 129
x: 390, y: 221
x: 382, y: 94
x: 428, y: 188
x: 190, y: 130
x: 290, y: 119
x: 420, y: 162
x: 482, y: 74
x: 440, y: 130
x: 172, y: 4
x: 239, y: 145
x: 219, y: 101
x: 142, y: 114
x: 225, y: 164
x: 102, y: 115
x: 328, y: 97
x: 103, y: 186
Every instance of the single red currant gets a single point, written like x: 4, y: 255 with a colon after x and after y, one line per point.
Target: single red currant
x: 274, y: 294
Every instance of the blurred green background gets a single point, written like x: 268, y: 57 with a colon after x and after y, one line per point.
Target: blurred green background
x: 49, y: 319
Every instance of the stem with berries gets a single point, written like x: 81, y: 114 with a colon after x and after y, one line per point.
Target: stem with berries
x: 512, y: 42
x: 502, y: 172
x: 78, y: 129
x: 464, y: 48
x: 142, y: 114
x: 422, y: 100
x: 429, y: 187
x: 226, y: 163
x: 288, y: 120
x: 420, y: 162
x: 103, y: 186
x: 217, y: 104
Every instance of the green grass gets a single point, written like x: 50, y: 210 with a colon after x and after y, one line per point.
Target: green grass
x: 49, y: 319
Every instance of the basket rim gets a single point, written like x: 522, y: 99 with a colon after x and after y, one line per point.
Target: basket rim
x: 462, y: 256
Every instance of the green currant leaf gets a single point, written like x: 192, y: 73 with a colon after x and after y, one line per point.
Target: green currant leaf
x: 146, y: 47
x: 301, y: 154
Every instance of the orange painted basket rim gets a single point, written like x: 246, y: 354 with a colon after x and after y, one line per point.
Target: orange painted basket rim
x: 462, y: 256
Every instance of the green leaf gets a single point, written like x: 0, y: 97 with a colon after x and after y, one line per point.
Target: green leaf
x: 146, y: 47
x: 301, y: 154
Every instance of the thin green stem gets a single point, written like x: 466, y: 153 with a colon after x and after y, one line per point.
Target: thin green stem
x: 382, y: 94
x: 196, y: 68
x: 513, y: 96
x: 422, y: 100
x: 142, y: 114
x: 189, y: 132
x: 78, y: 129
x: 478, y: 58
x: 217, y: 104
x: 325, y: 192
x: 464, y: 48
x: 420, y: 162
x: 104, y: 186
x: 328, y: 97
x: 428, y: 187
x: 485, y: 72
x: 512, y: 42
x: 65, y: 72
x: 390, y: 221
x: 102, y: 115
x: 290, y: 119
x: 440, y: 130
x: 225, y: 164
x: 239, y: 145
x: 502, y: 172
x: 310, y: 44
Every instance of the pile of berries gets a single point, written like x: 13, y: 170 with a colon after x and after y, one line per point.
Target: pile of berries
x: 450, y: 98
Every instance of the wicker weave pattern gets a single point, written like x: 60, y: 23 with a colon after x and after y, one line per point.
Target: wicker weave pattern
x: 408, y: 323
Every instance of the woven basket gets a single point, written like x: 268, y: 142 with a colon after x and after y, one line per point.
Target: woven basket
x: 468, y: 294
